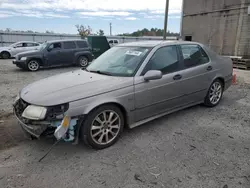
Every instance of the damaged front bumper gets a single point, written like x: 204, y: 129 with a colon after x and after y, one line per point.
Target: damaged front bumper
x: 34, y: 130
x: 37, y: 128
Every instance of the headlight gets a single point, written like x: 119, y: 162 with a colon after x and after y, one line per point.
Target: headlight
x: 34, y: 112
x: 23, y: 58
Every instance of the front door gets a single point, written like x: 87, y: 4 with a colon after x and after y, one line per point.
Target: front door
x: 157, y: 96
x: 54, y: 54
x: 18, y: 48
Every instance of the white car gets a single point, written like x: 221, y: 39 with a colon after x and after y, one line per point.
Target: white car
x: 113, y: 42
x: 23, y: 46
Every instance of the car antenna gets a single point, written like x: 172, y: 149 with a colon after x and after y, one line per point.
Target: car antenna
x: 49, y: 150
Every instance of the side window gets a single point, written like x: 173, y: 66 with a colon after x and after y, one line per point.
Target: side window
x: 111, y: 42
x: 165, y: 59
x: 20, y: 45
x: 57, y: 46
x: 115, y: 41
x: 82, y: 44
x: 193, y: 55
x: 69, y: 45
x: 31, y: 44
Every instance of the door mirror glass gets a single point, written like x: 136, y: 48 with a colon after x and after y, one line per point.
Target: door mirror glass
x: 153, y: 75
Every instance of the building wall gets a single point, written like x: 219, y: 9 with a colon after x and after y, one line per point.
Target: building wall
x: 218, y: 24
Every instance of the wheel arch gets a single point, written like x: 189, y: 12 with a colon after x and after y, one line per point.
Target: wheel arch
x: 115, y: 103
x: 37, y: 59
x: 5, y: 51
x: 79, y: 54
x: 220, y: 78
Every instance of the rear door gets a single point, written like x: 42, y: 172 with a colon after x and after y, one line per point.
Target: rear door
x: 31, y: 46
x: 68, y: 52
x: 54, y: 57
x: 197, y: 73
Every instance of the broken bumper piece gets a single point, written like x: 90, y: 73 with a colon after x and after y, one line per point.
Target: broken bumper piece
x: 32, y: 129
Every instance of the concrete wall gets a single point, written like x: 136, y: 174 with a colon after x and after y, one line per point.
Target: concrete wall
x: 223, y: 25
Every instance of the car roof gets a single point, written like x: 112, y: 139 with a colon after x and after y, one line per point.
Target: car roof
x: 27, y: 42
x: 65, y: 40
x: 153, y: 43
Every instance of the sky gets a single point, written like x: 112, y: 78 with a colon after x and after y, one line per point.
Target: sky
x: 61, y: 16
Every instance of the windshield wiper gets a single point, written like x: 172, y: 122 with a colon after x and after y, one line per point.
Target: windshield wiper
x: 99, y: 72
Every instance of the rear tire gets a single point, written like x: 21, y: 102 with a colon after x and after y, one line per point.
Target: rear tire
x: 83, y: 61
x: 33, y: 65
x: 214, y: 94
x: 102, y: 127
x: 5, y: 55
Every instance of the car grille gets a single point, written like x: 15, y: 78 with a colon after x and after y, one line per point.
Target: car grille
x: 20, y: 106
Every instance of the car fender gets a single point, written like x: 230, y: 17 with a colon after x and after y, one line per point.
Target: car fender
x: 88, y: 54
x: 39, y: 57
x: 5, y: 50
x: 217, y: 76
x: 85, y: 106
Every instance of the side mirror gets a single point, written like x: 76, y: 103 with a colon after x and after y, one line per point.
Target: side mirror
x: 49, y: 49
x: 153, y: 75
x: 14, y: 46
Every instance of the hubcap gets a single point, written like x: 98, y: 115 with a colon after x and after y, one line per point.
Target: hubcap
x: 5, y: 55
x: 215, y: 93
x: 33, y: 65
x: 105, y: 127
x: 83, y: 62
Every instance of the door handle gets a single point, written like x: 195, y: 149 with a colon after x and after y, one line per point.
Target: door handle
x: 177, y: 77
x: 209, y: 68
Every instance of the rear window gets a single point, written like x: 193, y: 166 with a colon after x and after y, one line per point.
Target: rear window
x: 82, y: 44
x: 69, y: 45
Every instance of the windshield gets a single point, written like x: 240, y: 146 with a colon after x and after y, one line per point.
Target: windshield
x: 14, y: 44
x: 119, y: 61
x: 42, y: 46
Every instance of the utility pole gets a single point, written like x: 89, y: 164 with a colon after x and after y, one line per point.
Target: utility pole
x: 166, y: 21
x: 110, y: 29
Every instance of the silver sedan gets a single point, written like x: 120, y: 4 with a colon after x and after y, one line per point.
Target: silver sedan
x: 128, y: 85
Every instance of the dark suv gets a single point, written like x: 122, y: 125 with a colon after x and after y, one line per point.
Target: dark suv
x: 56, y: 53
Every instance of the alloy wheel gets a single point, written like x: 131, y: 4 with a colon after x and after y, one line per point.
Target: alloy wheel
x: 105, y: 127
x: 33, y: 65
x: 215, y: 93
x: 83, y: 61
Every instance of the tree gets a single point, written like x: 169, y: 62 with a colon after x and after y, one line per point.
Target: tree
x: 49, y: 32
x: 100, y: 32
x: 147, y: 32
x: 83, y: 30
x: 8, y: 30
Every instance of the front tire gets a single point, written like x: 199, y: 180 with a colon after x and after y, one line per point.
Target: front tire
x: 102, y: 127
x: 83, y: 61
x: 214, y: 94
x: 5, y: 55
x: 33, y: 65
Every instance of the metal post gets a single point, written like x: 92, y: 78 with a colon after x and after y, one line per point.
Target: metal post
x: 182, y: 15
x: 166, y: 21
x: 110, y: 29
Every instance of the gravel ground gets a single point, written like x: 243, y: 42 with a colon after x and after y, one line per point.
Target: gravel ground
x: 195, y: 148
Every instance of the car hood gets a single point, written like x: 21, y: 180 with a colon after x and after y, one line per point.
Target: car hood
x: 71, y: 86
x: 28, y: 53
